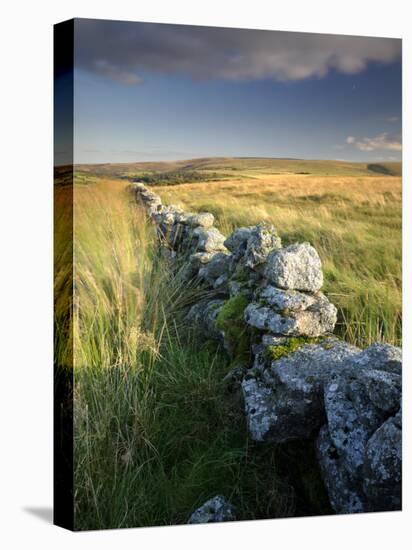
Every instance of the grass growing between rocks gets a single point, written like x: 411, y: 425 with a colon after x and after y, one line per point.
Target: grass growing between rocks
x: 155, y: 434
x: 354, y: 222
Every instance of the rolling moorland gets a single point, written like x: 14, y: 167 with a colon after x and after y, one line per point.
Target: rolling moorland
x: 153, y: 436
x: 350, y: 212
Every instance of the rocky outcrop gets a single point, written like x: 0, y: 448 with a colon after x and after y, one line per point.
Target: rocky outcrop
x: 299, y: 382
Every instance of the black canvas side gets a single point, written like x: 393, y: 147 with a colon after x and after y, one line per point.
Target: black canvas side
x: 63, y: 274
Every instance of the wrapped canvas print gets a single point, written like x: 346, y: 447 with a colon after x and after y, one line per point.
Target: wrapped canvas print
x: 227, y: 274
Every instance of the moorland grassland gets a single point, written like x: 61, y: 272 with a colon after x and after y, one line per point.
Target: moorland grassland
x: 154, y: 435
x: 354, y: 221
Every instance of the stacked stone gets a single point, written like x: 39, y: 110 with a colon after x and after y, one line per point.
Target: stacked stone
x: 281, y: 284
x: 349, y: 402
x: 304, y: 383
x: 290, y: 303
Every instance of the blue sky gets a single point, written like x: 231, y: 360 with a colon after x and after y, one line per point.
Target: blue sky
x: 163, y: 92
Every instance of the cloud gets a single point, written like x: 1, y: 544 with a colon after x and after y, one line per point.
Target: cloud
x: 392, y: 119
x: 105, y: 68
x: 123, y: 51
x: 378, y: 143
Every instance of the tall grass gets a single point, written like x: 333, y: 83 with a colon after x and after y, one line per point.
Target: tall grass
x: 353, y: 222
x: 155, y: 433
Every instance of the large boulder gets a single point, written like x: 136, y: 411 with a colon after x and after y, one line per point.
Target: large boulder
x: 382, y: 481
x: 367, y: 444
x: 296, y: 267
x: 216, y: 509
x: 351, y: 418
x: 345, y: 494
x: 290, y: 392
x: 357, y: 402
x: 376, y: 485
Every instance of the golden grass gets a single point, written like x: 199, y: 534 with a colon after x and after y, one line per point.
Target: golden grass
x: 354, y: 222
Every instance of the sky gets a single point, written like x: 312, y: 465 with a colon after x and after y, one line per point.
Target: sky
x: 146, y: 92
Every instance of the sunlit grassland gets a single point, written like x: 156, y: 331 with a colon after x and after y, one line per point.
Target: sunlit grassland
x: 154, y: 435
x: 155, y: 432
x: 63, y: 276
x: 354, y: 222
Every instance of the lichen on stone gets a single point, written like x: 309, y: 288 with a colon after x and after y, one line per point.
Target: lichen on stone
x: 275, y: 352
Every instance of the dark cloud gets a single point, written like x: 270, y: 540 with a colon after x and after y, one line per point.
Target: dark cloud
x: 122, y: 50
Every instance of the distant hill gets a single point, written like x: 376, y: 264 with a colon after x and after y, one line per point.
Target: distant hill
x: 218, y: 168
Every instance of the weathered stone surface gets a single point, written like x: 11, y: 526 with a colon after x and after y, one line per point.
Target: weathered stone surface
x: 194, y: 263
x: 357, y: 401
x: 235, y: 288
x: 262, y: 240
x: 272, y: 340
x: 377, y: 484
x: 209, y: 240
x: 367, y: 447
x: 202, y: 219
x: 154, y: 209
x: 216, y: 509
x: 352, y: 419
x: 296, y: 267
x: 264, y: 318
x: 236, y: 242
x: 290, y: 391
x: 202, y: 315
x: 166, y: 216
x: 233, y: 379
x: 381, y: 357
x: 281, y: 300
x: 319, y: 318
x: 216, y: 267
x: 382, y: 481
x: 384, y: 389
x: 345, y: 494
x: 259, y: 408
x: 137, y: 186
x: 221, y: 284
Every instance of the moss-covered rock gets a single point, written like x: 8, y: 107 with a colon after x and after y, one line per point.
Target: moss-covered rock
x: 274, y: 352
x: 230, y: 320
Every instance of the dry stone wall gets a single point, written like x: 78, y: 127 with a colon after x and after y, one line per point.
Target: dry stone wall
x: 298, y: 381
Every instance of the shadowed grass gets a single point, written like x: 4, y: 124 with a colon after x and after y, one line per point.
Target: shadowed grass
x: 155, y: 433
